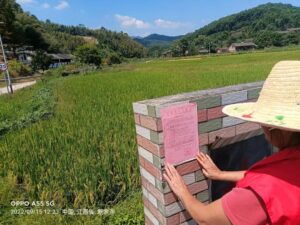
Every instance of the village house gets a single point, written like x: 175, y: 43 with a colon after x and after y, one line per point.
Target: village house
x: 203, y: 51
x: 222, y: 50
x: 60, y: 59
x: 25, y: 56
x: 167, y: 53
x: 57, y: 60
x: 243, y: 46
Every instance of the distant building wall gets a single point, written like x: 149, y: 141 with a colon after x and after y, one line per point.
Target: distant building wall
x: 236, y: 47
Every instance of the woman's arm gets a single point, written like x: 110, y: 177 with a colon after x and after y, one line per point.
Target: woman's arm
x: 211, y: 171
x: 211, y: 214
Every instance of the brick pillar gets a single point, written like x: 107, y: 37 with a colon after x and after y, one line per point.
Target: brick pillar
x: 161, y: 206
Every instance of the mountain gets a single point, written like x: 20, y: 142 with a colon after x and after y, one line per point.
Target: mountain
x: 157, y: 40
x: 271, y: 24
x: 270, y: 16
x: 20, y: 29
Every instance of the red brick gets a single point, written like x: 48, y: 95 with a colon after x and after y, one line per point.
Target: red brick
x: 198, y: 187
x: 202, y: 115
x: 170, y: 198
x: 174, y: 219
x: 203, y: 139
x: 150, y: 146
x: 152, y: 169
x: 223, y: 133
x: 137, y: 119
x: 148, y: 221
x: 151, y: 123
x: 184, y: 216
x: 146, y: 203
x: 194, y: 189
x: 142, y: 161
x: 154, y: 211
x: 246, y: 127
x: 188, y: 167
x: 214, y: 113
x: 153, y: 190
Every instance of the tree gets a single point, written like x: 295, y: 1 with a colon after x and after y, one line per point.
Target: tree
x: 88, y: 54
x: 293, y: 38
x: 41, y: 61
x: 35, y: 38
x: 183, y: 45
x: 7, y: 16
x: 269, y: 38
x: 114, y: 59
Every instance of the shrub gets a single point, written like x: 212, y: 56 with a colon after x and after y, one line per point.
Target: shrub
x: 114, y: 58
x: 40, y: 61
x: 17, y: 69
x: 88, y: 54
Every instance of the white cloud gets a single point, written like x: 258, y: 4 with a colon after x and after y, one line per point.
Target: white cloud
x: 25, y: 1
x: 168, y: 24
x: 62, y: 5
x: 45, y: 5
x: 127, y: 21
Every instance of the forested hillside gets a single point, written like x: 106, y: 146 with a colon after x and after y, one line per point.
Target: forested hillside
x: 157, y: 44
x: 267, y: 25
x: 19, y: 28
x: 157, y: 40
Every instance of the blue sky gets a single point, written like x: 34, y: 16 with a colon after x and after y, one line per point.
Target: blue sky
x: 140, y: 17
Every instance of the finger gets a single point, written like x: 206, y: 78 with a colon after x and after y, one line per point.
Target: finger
x: 198, y: 158
x: 200, y: 161
x: 207, y: 157
x: 210, y: 159
x: 167, y: 178
x: 169, y: 172
x: 205, y: 172
x: 173, y: 170
x: 201, y: 156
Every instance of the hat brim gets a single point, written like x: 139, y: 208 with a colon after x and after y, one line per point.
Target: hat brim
x: 246, y: 111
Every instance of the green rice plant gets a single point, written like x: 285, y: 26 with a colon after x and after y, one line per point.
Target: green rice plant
x: 86, y: 154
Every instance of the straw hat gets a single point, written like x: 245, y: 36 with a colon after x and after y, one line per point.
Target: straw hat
x: 278, y: 104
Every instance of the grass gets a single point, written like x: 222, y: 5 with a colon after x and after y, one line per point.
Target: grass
x: 86, y: 155
x: 26, y: 107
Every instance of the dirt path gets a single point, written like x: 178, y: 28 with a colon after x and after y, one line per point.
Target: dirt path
x: 17, y: 87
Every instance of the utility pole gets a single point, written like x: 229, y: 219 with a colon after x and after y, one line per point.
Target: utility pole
x: 5, y: 69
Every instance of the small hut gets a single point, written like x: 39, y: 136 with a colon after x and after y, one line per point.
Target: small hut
x: 60, y: 59
x: 243, y: 46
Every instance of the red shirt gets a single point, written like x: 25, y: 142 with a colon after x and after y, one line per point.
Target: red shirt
x: 276, y: 180
x: 239, y: 213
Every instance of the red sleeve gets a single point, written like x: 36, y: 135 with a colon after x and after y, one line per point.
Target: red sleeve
x: 241, y: 206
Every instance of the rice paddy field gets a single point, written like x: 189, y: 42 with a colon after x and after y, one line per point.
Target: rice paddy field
x: 85, y: 155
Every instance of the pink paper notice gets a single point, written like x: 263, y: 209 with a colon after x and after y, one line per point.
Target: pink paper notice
x: 180, y: 127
